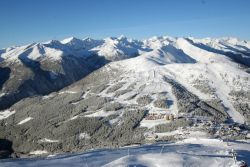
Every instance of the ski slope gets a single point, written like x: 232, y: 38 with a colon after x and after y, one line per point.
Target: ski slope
x: 189, y: 152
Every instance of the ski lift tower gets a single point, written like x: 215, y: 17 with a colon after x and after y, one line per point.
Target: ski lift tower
x: 234, y: 155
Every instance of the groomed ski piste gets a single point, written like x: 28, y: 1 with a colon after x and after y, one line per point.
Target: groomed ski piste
x: 195, y: 152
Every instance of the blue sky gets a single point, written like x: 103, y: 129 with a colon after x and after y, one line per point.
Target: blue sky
x: 26, y: 21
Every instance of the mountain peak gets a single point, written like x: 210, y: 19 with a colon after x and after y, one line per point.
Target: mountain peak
x: 88, y: 39
x: 122, y: 37
x: 70, y: 40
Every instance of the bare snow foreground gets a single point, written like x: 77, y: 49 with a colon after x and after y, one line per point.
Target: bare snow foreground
x: 189, y: 152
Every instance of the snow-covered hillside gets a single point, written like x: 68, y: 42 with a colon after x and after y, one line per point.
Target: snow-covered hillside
x: 206, y: 74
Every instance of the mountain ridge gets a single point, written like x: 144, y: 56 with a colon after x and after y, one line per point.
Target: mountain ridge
x: 123, y: 41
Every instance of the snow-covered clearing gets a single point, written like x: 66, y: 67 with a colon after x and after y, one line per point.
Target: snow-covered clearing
x: 152, y: 123
x: 5, y: 114
x: 69, y: 92
x: 84, y: 136
x: 38, y: 152
x: 45, y: 140
x: 2, y: 94
x: 99, y: 113
x: 25, y: 120
x: 48, y: 96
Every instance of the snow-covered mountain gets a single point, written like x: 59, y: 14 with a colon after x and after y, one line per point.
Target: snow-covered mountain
x: 111, y: 48
x: 121, y: 48
x: 122, y: 91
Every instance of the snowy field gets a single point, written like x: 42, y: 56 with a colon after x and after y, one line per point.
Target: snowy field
x: 189, y: 152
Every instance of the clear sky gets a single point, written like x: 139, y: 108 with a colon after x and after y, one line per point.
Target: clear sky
x: 26, y: 21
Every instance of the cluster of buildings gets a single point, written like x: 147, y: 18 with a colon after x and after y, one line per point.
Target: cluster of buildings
x: 156, y: 116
